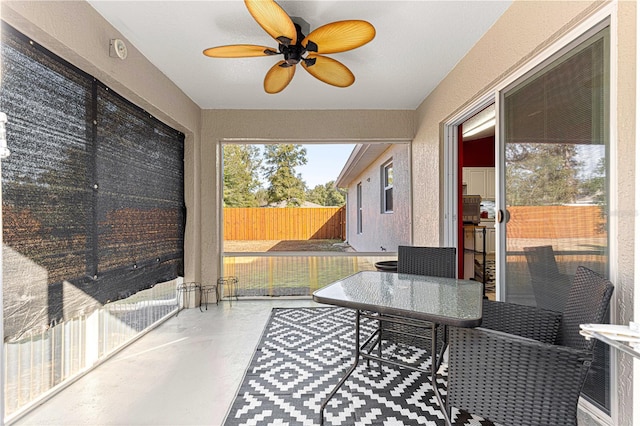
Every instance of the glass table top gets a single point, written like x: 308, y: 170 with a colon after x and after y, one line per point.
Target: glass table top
x: 444, y: 300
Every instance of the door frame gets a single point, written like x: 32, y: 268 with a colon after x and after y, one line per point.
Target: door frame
x: 606, y: 16
x: 453, y: 173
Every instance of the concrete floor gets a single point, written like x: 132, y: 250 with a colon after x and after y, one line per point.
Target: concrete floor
x: 184, y: 372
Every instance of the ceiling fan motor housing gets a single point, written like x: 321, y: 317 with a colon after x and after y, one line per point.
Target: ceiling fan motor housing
x: 293, y: 53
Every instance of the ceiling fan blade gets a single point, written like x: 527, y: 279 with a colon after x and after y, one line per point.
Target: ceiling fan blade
x: 239, y: 51
x: 328, y: 70
x: 274, y: 20
x: 278, y: 77
x: 339, y: 36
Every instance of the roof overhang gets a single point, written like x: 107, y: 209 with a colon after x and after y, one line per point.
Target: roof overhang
x: 360, y: 159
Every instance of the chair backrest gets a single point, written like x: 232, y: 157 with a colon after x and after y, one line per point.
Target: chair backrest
x: 550, y: 287
x: 541, y: 261
x: 431, y: 261
x: 588, y: 302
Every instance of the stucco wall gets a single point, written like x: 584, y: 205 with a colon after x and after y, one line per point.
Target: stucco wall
x: 77, y: 33
x: 525, y: 30
x: 388, y: 230
x: 74, y: 31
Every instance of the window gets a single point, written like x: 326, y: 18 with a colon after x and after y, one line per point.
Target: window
x: 359, y: 201
x: 387, y: 188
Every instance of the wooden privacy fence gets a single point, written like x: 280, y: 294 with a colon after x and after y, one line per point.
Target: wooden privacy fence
x: 287, y: 223
x: 555, y: 222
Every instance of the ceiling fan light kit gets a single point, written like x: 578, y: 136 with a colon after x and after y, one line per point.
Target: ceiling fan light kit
x: 293, y: 44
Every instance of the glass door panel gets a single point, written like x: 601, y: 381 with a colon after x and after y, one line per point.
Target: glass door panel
x: 556, y: 169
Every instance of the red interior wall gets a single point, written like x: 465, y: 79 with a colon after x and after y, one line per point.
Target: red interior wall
x: 479, y: 153
x: 461, y: 156
x: 475, y: 153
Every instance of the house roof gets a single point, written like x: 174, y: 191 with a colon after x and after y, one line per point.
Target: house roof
x: 361, y: 157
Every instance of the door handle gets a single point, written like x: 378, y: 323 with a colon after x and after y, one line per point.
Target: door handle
x: 503, y: 216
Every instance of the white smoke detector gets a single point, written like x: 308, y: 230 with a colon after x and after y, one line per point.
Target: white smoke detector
x: 117, y: 48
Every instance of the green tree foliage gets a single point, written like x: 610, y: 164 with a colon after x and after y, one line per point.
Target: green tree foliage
x: 541, y: 174
x: 241, y: 175
x: 594, y: 186
x: 326, y: 195
x: 261, y: 196
x: 279, y: 170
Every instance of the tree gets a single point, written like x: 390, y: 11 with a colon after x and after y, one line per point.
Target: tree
x: 241, y: 175
x: 261, y: 197
x: 593, y: 187
x: 326, y: 195
x: 541, y: 174
x: 284, y: 184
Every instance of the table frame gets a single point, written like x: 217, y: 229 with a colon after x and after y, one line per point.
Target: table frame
x: 361, y: 352
x: 380, y: 313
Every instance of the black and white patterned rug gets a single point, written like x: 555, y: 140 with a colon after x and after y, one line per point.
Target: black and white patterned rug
x: 304, y: 352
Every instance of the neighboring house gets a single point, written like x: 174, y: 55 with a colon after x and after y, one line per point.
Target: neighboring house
x: 378, y: 184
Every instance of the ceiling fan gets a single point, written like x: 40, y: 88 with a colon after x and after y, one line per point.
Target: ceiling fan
x: 335, y: 37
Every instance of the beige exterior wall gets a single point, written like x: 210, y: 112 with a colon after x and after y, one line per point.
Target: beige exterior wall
x: 388, y: 230
x: 77, y: 33
x: 525, y: 30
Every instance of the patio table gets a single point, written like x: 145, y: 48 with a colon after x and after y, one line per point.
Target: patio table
x: 440, y: 301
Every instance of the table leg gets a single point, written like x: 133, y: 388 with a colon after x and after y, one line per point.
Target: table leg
x: 380, y: 336
x: 435, y: 363
x: 348, y: 373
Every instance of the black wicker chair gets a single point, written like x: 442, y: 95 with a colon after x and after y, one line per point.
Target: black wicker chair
x: 526, y: 366
x: 430, y: 261
x: 550, y: 287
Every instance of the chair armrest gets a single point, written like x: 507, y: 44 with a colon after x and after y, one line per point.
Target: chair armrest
x: 514, y: 380
x: 521, y: 320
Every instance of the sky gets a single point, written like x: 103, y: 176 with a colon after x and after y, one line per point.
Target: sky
x: 324, y: 163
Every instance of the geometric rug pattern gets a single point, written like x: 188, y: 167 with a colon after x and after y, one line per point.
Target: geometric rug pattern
x: 304, y: 352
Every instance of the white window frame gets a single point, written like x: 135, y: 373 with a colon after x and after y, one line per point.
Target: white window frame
x: 359, y: 208
x: 386, y: 186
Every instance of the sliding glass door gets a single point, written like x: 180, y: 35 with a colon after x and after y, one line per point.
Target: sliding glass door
x: 555, y: 150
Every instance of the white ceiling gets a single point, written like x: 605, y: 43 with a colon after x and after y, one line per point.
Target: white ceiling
x: 417, y: 43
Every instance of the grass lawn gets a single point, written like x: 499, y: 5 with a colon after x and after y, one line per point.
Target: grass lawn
x: 258, y: 246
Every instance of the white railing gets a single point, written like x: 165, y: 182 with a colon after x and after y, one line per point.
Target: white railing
x: 38, y: 366
x: 294, y: 273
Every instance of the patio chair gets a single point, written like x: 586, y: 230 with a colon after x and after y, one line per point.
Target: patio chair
x: 550, y: 287
x: 526, y: 365
x: 429, y: 261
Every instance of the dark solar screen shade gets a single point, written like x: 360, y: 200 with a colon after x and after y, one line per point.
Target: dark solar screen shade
x: 92, y: 194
